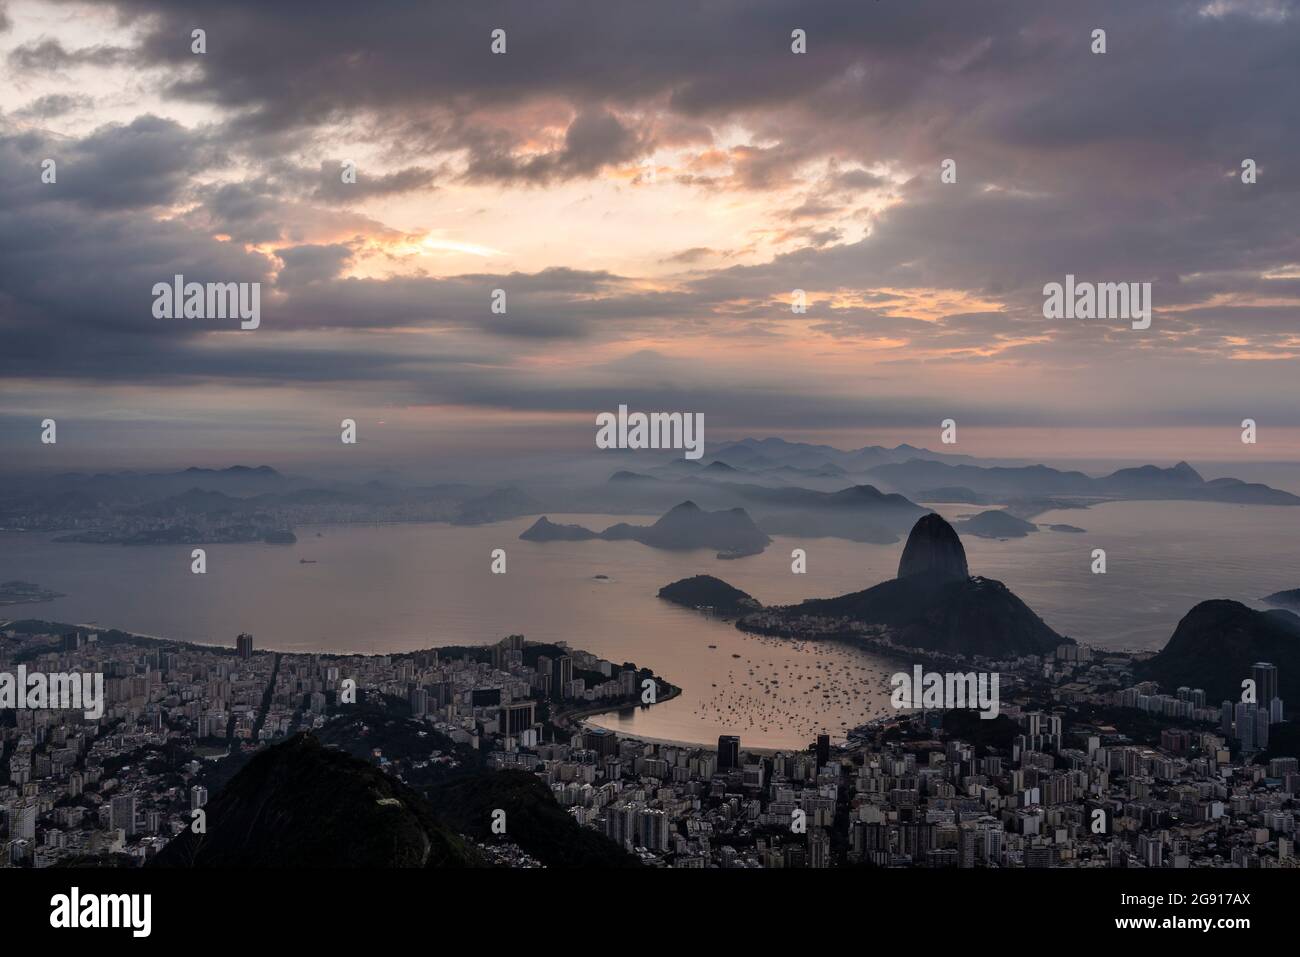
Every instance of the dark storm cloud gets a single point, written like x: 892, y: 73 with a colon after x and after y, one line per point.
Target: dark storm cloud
x: 148, y: 162
x: 245, y: 211
x: 78, y: 264
x: 592, y: 141
x: 1009, y: 87
x: 79, y: 257
x: 1121, y: 167
x: 554, y: 304
x: 308, y: 264
x: 297, y: 65
x: 1005, y: 244
x: 1002, y: 84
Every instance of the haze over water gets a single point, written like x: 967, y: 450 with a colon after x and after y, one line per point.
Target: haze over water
x: 379, y: 589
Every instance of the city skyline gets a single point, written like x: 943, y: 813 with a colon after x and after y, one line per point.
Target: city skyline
x: 553, y: 435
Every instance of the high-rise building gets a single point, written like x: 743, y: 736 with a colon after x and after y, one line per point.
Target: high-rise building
x: 1261, y: 728
x: 122, y: 814
x: 517, y: 717
x: 819, y: 848
x: 23, y: 823
x: 545, y: 671
x: 728, y: 752
x: 198, y: 796
x: 561, y: 675
x: 603, y: 742
x: 1265, y: 677
x: 823, y: 752
x: 1245, y: 725
x: 654, y: 830
x: 244, y: 645
x: 419, y: 700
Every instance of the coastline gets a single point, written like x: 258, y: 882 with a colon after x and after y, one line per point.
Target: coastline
x: 697, y: 745
x: 579, y: 716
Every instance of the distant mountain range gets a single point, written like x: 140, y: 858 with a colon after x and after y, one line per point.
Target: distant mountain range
x: 684, y: 527
x: 860, y: 513
x: 871, y: 494
x: 771, y: 453
x: 793, y: 489
x: 240, y: 503
x: 1145, y: 482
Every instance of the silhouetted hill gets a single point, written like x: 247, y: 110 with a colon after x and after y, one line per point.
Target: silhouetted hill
x: 623, y: 475
x: 764, y: 453
x: 1284, y: 599
x: 300, y: 804
x: 707, y: 591
x: 860, y: 513
x: 1217, y: 641
x: 833, y: 508
x: 973, y: 616
x: 1142, y: 483
x: 544, y: 530
x: 1144, y: 477
x: 688, y: 526
x: 995, y: 523
x: 934, y: 550
x: 685, y: 526
x: 935, y: 605
x: 534, y: 820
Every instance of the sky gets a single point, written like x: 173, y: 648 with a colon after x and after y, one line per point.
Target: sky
x: 649, y: 184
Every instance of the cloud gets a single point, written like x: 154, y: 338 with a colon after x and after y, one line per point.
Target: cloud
x: 331, y: 188
x: 1122, y: 167
x: 148, y: 162
x: 594, y: 140
x: 48, y: 55
x: 690, y: 256
x: 54, y: 105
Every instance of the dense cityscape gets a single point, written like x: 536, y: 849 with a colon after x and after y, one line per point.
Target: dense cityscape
x: 1083, y: 767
